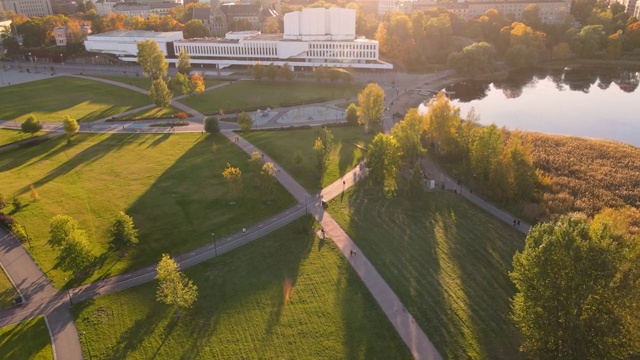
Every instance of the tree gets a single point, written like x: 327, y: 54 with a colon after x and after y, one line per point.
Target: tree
x: 442, y: 121
x: 181, y: 82
x: 383, y: 162
x: 323, y: 147
x: 257, y: 71
x: 233, y: 175
x: 123, y: 233
x: 194, y: 28
x: 474, y: 59
x: 30, y: 125
x: 320, y: 73
x: 415, y: 187
x: 351, y: 114
x: 408, y: 133
x: 160, y: 93
x: 614, y: 45
x: 268, y: 178
x: 211, y: 125
x: 184, y: 62
x: 20, y: 232
x: 486, y: 151
x: 197, y: 84
x: 523, y: 172
x: 297, y: 158
x: 632, y: 33
x: 370, y: 106
x: 70, y: 126
x: 174, y: 288
x: 245, y: 122
x: 577, y: 294
x: 75, y: 251
x: 255, y: 161
x: 270, y: 26
x: 286, y: 72
x: 151, y: 59
x: 271, y: 72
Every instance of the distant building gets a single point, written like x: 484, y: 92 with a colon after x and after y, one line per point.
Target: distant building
x: 61, y: 34
x: 143, y: 10
x: 104, y: 7
x: 220, y: 18
x: 30, y: 8
x: 551, y: 11
x: 311, y: 38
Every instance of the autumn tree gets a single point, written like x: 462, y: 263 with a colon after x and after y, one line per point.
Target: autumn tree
x: 268, y: 178
x: 122, y: 232
x: 160, y: 93
x: 577, y: 293
x: 233, y: 175
x: 66, y: 236
x: 30, y: 125
x: 523, y: 173
x: 174, y: 288
x: 474, y: 59
x: 255, y: 161
x: 197, y: 84
x: 408, y: 133
x: 245, y: 122
x: 271, y: 26
x: 441, y: 122
x: 383, y: 162
x: 184, y: 62
x: 632, y: 33
x: 152, y: 60
x: 370, y: 106
x: 70, y: 126
x: 351, y: 114
x: 486, y: 152
x: 34, y: 193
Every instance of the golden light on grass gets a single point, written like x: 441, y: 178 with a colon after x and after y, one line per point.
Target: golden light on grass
x: 287, y: 289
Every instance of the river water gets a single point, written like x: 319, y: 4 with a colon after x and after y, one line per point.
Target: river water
x: 588, y: 102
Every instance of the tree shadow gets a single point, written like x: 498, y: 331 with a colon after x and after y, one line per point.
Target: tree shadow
x: 159, y: 140
x: 345, y: 157
x: 16, y: 344
x: 131, y: 339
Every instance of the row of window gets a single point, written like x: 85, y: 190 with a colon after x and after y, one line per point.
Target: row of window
x: 342, y: 54
x: 266, y: 49
x: 342, y: 46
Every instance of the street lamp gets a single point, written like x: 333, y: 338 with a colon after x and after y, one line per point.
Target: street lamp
x: 30, y: 58
x: 61, y: 59
x: 215, y: 247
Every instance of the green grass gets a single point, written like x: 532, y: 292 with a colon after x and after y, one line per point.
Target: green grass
x: 26, y: 340
x: 280, y: 145
x: 145, y: 83
x: 446, y: 259
x: 247, y: 310
x: 8, y: 136
x: 153, y: 113
x: 7, y: 292
x: 171, y: 184
x: 247, y: 95
x: 82, y: 99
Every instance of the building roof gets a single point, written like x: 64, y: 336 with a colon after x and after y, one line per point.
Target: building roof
x: 241, y: 9
x: 139, y: 33
x: 201, y: 13
x: 135, y: 6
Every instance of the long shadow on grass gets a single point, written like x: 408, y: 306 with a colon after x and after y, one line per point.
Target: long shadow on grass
x: 346, y: 156
x: 16, y: 345
x: 15, y: 158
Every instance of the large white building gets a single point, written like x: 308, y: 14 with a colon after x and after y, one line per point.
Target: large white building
x: 30, y: 8
x: 312, y: 37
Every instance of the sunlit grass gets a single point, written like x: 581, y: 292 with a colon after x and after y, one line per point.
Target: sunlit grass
x: 7, y: 292
x: 280, y: 145
x: 26, y: 340
x: 8, y: 136
x: 171, y: 184
x: 52, y: 99
x: 446, y: 259
x: 287, y: 295
x: 246, y: 95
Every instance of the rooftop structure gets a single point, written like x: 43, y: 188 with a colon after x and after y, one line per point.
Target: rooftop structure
x: 320, y: 24
x: 123, y: 43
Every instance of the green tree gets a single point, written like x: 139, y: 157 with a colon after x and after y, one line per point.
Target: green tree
x: 30, y: 125
x: 152, y: 60
x: 285, y: 72
x: 181, y: 82
x: 257, y: 71
x: 632, y: 33
x: 245, y: 122
x: 174, y: 288
x: 122, y: 232
x: 271, y: 26
x: 323, y: 147
x: 442, y: 121
x: 614, y: 45
x: 383, y: 162
x: 160, y: 93
x: 233, y: 175
x: 523, y: 172
x: 474, y: 59
x: 320, y: 73
x: 370, y: 106
x: 415, y: 186
x: 351, y: 114
x: 70, y: 126
x: 184, y: 62
x: 19, y: 232
x: 408, y: 133
x: 590, y: 40
x: 271, y: 72
x: 211, y: 125
x: 577, y: 293
x: 75, y: 251
x: 486, y: 151
x: 194, y: 28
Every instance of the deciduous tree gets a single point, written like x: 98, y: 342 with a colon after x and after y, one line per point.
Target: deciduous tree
x: 271, y: 72
x: 351, y: 114
x: 194, y: 28
x: 30, y: 125
x: 257, y: 71
x: 323, y: 147
x: 442, y: 121
x: 122, y: 232
x: 151, y: 59
x: 268, y: 178
x: 245, y: 122
x: 197, y: 84
x: 285, y: 72
x: 160, y: 93
x: 75, y: 251
x: 211, y: 125
x: 255, y: 161
x: 383, y: 162
x: 184, y: 62
x: 174, y: 288
x: 233, y: 175
x: 70, y: 126
x: 370, y: 106
x: 408, y: 133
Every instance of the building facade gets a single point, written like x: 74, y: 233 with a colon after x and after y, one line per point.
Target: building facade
x: 30, y: 8
x: 61, y: 34
x: 551, y: 11
x: 143, y: 10
x: 123, y: 43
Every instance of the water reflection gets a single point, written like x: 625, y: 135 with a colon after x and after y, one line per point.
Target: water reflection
x: 575, y: 101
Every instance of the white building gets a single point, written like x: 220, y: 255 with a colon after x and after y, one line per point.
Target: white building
x: 312, y: 37
x: 123, y: 43
x: 30, y: 8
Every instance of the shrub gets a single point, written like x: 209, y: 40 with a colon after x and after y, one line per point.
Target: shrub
x: 182, y: 115
x: 211, y: 125
x: 6, y: 220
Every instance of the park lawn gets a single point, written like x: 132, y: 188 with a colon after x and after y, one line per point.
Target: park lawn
x: 82, y: 99
x: 446, y: 259
x: 171, y: 184
x: 8, y: 136
x: 250, y: 95
x: 153, y: 113
x: 280, y: 146
x: 144, y: 83
x: 7, y: 291
x: 287, y: 295
x: 26, y: 340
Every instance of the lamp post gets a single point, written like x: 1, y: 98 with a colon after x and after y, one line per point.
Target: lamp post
x: 61, y: 59
x: 215, y: 247
x: 30, y: 58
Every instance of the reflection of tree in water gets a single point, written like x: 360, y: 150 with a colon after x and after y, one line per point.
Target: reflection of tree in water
x: 467, y: 91
x: 516, y: 81
x: 557, y: 76
x: 627, y: 81
x: 580, y: 79
x: 605, y: 79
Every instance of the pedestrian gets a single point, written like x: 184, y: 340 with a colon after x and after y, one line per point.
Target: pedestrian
x: 350, y: 253
x: 518, y: 222
x: 514, y: 222
x: 343, y: 183
x: 244, y: 230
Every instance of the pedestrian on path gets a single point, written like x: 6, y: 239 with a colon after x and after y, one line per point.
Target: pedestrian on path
x: 244, y: 231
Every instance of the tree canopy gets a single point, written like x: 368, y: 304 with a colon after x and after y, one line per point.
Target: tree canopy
x: 174, y: 288
x: 383, y: 162
x: 30, y: 125
x: 151, y: 59
x: 370, y: 106
x: 123, y: 233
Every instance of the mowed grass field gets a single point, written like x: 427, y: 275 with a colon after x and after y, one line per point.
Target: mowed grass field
x: 9, y: 136
x: 144, y: 83
x: 281, y: 145
x: 171, y: 184
x: 288, y: 295
x: 446, y: 259
x: 52, y: 99
x: 152, y: 113
x: 7, y: 292
x: 243, y: 95
x: 26, y: 340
